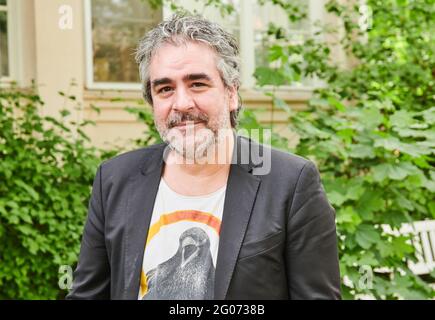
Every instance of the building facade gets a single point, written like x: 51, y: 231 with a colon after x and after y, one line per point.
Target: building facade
x: 85, y: 49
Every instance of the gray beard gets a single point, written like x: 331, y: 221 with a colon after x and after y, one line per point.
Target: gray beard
x: 205, y: 139
x: 197, y: 149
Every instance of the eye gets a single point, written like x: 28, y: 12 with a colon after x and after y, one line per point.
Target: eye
x: 164, y: 90
x: 198, y: 84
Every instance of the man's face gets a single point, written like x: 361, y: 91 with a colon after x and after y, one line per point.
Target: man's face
x: 190, y: 102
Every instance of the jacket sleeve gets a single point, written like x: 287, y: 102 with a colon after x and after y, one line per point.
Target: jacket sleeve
x: 91, y: 279
x: 311, y: 243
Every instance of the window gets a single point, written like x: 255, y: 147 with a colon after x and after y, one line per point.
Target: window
x: 249, y: 24
x: 271, y: 14
x: 4, y: 40
x: 113, y: 30
x: 10, y: 42
x: 115, y: 26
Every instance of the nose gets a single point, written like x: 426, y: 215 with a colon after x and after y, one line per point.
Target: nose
x: 182, y: 100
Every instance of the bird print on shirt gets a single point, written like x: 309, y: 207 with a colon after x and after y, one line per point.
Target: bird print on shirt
x: 188, y: 275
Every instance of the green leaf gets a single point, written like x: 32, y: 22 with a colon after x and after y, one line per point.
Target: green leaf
x: 32, y: 245
x: 348, y: 218
x: 431, y: 206
x: 95, y: 108
x: 402, y: 202
x: 371, y: 201
x: 337, y: 104
x: 336, y: 198
x: 367, y: 258
x: 393, y: 172
x: 346, y: 134
x: 401, y: 247
x: 65, y: 112
x: 317, y: 102
x: 385, y: 249
x: 372, y: 117
x: 266, y: 76
x: 355, y: 188
x: 361, y: 151
x: 402, y: 119
x: 412, y: 133
x: 429, y: 115
x: 28, y: 189
x: 25, y: 229
x: 276, y: 53
x: 402, y: 286
x: 392, y: 143
x: 366, y: 235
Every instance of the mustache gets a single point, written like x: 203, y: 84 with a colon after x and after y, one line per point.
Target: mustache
x: 177, y: 118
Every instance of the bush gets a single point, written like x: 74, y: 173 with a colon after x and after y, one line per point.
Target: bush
x: 46, y: 174
x: 371, y: 133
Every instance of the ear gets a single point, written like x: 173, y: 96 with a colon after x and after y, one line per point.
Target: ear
x: 233, y: 98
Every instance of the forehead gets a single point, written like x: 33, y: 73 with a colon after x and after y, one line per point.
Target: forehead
x: 175, y: 61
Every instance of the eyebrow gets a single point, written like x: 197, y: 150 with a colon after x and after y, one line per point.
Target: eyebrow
x: 188, y: 77
x: 196, y: 76
x: 160, y: 81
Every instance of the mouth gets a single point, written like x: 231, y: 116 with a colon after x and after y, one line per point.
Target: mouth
x: 188, y: 123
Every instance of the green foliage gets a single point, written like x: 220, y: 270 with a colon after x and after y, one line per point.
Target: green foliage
x: 46, y: 173
x: 150, y: 135
x: 249, y: 126
x: 370, y: 130
x: 371, y: 133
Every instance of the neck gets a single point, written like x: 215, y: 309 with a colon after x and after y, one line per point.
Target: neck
x: 215, y: 162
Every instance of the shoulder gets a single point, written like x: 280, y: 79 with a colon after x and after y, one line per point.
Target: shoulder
x: 277, y: 163
x: 133, y: 161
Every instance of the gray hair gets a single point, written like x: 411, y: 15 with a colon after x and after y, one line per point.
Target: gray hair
x: 182, y: 28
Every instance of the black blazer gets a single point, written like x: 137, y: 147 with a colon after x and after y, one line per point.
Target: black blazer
x: 278, y: 237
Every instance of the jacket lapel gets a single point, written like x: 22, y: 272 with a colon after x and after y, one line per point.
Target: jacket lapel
x: 142, y: 194
x: 240, y: 196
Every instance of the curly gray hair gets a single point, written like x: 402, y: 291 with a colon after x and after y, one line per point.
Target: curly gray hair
x: 182, y: 28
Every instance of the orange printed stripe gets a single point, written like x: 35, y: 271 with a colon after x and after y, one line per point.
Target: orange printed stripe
x: 184, y: 215
x: 143, y: 284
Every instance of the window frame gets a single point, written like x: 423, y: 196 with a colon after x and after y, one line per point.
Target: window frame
x: 14, y: 54
x: 91, y: 84
x: 247, y: 52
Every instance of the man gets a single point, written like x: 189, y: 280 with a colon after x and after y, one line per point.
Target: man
x: 198, y: 217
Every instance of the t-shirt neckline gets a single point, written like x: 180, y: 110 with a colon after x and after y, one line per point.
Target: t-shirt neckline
x: 208, y: 195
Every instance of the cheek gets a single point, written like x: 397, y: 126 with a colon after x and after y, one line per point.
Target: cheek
x: 161, y: 110
x: 213, y: 105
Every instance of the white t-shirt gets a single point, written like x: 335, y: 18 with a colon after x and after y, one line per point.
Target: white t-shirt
x: 181, y: 250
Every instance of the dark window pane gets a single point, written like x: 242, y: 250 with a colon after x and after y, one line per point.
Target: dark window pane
x: 4, y: 52
x: 117, y: 26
